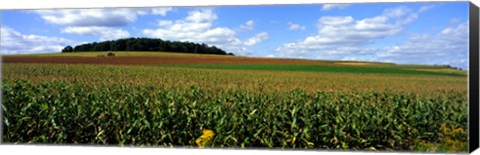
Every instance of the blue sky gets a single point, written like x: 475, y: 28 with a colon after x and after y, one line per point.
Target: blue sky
x: 404, y: 33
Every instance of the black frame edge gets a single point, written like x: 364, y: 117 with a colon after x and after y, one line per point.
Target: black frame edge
x: 473, y: 114
x: 1, y: 89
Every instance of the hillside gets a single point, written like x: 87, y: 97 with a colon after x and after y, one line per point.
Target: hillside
x: 208, y: 61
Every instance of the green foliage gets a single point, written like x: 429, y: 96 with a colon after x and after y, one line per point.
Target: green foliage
x: 123, y: 114
x: 67, y: 49
x: 171, y: 106
x: 452, y: 139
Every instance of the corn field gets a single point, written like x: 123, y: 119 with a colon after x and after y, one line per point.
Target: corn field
x: 115, y: 107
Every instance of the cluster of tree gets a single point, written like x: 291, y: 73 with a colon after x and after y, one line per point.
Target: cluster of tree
x: 147, y: 44
x: 448, y: 66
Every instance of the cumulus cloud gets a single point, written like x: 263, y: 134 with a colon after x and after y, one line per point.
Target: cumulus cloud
x: 199, y: 16
x: 198, y: 26
x: 13, y: 42
x: 340, y: 36
x: 450, y: 46
x: 403, y: 15
x: 162, y: 23
x: 293, y: 26
x: 257, y: 39
x: 97, y: 17
x: 105, y: 33
x: 89, y: 17
x: 248, y: 25
x: 98, y: 22
x: 161, y: 11
x: 346, y: 38
x: 327, y: 7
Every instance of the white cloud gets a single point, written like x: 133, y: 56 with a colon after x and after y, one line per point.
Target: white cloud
x: 346, y: 38
x: 335, y: 32
x: 165, y: 23
x: 89, y: 17
x: 248, y: 25
x: 199, y: 16
x: 161, y: 11
x: 98, y: 22
x: 105, y: 33
x: 335, y: 20
x: 426, y: 8
x: 198, y: 27
x: 396, y: 12
x: 293, y: 26
x: 327, y: 7
x: 97, y: 17
x: 257, y: 39
x: 13, y: 42
x: 450, y: 46
x: 403, y: 14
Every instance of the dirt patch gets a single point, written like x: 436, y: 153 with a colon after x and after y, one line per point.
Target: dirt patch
x: 151, y: 60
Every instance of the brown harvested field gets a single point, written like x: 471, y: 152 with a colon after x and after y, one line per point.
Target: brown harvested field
x: 151, y: 60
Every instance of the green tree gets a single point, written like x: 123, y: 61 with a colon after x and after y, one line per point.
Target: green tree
x: 67, y: 49
x: 147, y: 44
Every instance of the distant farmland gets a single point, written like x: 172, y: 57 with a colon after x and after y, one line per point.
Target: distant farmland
x: 143, y: 58
x: 166, y: 99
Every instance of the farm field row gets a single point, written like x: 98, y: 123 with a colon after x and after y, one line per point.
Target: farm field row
x: 60, y: 112
x: 178, y: 76
x: 142, y: 58
x: 275, y: 104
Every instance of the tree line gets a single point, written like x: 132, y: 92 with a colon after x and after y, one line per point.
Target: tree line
x: 146, y: 44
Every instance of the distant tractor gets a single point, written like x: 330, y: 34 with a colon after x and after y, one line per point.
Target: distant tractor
x: 110, y: 54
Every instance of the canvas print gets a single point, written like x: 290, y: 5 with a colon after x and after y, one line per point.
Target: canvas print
x: 347, y: 77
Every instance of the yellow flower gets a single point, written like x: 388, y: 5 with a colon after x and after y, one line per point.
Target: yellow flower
x: 205, y: 139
